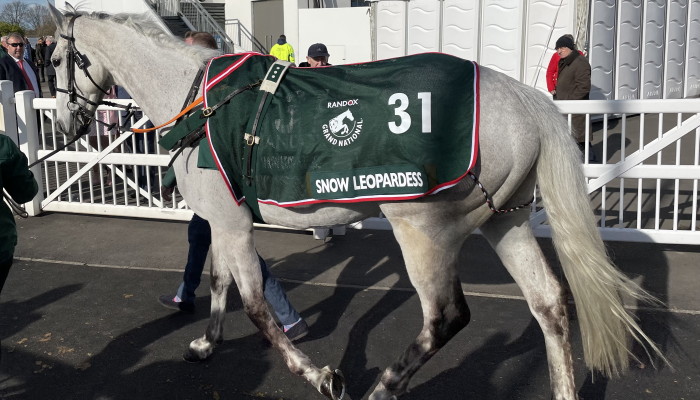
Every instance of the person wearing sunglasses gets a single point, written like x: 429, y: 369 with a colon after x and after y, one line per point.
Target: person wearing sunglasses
x: 13, y: 66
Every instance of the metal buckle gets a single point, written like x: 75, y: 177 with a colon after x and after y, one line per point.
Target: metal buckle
x: 251, y: 140
x: 207, y: 112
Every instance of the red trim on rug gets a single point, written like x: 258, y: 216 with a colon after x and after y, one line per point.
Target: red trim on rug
x: 207, y: 85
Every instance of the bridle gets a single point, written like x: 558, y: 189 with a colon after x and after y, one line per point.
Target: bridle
x: 80, y: 114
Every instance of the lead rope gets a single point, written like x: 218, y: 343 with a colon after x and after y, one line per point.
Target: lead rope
x: 16, y: 207
x: 489, y: 201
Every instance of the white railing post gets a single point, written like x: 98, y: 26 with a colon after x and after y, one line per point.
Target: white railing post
x: 28, y: 130
x: 8, y: 125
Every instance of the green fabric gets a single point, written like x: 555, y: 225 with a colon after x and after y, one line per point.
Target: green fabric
x: 169, y: 180
x: 205, y: 160
x: 178, y: 132
x: 181, y: 129
x: 304, y: 156
x: 19, y: 182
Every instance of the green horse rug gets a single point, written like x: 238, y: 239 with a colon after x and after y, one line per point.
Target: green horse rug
x: 387, y: 130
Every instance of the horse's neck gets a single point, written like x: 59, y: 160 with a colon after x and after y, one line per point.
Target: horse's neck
x: 158, y: 78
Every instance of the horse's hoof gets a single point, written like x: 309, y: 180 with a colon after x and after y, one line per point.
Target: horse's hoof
x: 333, y: 386
x: 199, y: 350
x: 192, y: 357
x: 381, y: 393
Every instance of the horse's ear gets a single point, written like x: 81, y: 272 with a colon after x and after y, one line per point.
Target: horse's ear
x: 70, y: 8
x: 56, y: 16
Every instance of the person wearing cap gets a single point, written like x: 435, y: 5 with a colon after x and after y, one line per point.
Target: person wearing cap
x: 553, y: 70
x: 317, y: 56
x: 573, y: 82
x: 283, y: 50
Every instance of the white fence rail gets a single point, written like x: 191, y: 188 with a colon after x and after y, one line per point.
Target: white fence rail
x: 644, y: 188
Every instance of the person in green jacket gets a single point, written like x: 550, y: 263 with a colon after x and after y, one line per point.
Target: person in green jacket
x: 283, y: 50
x: 18, y: 181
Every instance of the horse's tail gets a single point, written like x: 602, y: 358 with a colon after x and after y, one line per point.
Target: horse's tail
x: 596, y: 284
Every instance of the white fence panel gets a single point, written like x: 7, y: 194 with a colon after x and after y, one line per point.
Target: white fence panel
x: 653, y: 49
x: 692, y: 62
x: 676, y: 30
x: 460, y: 32
x: 629, y: 36
x: 502, y: 36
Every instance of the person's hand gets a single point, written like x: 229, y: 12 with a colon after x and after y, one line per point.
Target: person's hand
x: 167, y: 193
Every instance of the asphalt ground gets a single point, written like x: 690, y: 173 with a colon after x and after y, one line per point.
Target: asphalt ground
x: 79, y: 319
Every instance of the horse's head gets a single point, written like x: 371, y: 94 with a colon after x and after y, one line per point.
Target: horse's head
x: 81, y: 80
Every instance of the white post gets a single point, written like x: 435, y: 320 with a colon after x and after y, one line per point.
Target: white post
x: 28, y: 130
x: 8, y: 124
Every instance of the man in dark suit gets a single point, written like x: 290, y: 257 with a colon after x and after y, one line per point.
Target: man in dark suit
x: 50, y: 71
x: 16, y: 68
x: 10, y: 71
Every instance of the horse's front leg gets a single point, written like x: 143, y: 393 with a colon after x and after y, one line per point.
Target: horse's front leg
x: 221, y: 279
x: 235, y: 252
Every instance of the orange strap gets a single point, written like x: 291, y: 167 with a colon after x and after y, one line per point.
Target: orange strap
x: 183, y: 112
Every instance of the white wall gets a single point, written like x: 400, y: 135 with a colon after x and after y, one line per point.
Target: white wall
x: 345, y: 31
x: 242, y: 10
x: 511, y: 36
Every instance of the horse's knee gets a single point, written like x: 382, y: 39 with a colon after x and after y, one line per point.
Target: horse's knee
x: 551, y: 316
x: 451, y: 319
x: 220, y: 280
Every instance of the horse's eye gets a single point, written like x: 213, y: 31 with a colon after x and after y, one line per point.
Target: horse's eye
x: 55, y: 62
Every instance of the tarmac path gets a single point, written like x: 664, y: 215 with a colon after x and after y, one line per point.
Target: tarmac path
x: 79, y: 319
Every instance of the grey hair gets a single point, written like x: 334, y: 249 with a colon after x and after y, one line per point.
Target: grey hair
x: 15, y: 35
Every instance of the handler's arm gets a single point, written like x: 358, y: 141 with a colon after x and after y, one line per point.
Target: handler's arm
x: 16, y: 178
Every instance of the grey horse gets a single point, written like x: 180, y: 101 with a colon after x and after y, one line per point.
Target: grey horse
x: 524, y: 141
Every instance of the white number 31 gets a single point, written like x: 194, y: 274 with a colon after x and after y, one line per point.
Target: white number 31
x: 404, y: 117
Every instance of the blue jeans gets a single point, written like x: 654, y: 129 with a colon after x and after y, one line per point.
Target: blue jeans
x: 199, y: 237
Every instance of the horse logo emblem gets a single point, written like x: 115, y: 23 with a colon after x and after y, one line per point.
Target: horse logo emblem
x: 342, y: 129
x: 338, y: 126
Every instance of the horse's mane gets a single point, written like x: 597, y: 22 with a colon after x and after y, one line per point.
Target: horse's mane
x: 149, y: 29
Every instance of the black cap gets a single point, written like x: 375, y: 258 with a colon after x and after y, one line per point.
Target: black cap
x: 565, y: 41
x: 318, y: 50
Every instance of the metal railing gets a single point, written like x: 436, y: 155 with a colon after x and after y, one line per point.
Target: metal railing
x: 243, y: 38
x: 197, y: 16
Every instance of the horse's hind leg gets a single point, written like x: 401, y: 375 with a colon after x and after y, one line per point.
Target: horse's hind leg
x: 511, y: 236
x: 221, y: 279
x: 430, y: 261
